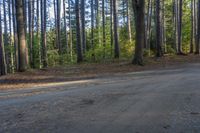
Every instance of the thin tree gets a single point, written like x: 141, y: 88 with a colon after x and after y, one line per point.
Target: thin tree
x: 116, y: 38
x: 83, y: 25
x: 103, y: 25
x: 198, y: 29
x: 65, y: 24
x: 58, y: 26
x: 15, y: 35
x: 78, y: 33
x: 111, y: 25
x: 128, y: 22
x: 70, y: 29
x: 43, y: 33
x: 3, y: 67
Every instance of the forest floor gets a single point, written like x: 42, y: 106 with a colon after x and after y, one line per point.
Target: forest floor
x: 84, y: 71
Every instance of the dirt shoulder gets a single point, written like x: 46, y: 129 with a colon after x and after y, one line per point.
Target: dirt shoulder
x: 40, y: 77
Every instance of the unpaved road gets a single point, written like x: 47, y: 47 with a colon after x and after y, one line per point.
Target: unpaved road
x: 163, y: 101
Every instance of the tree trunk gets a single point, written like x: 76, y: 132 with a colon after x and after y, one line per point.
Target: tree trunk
x: 111, y: 26
x: 21, y: 36
x: 129, y: 23
x: 179, y: 24
x: 192, y: 28
x: 159, y: 52
x: 65, y: 25
x: 139, y: 13
x: 15, y: 35
x: 58, y: 27
x: 103, y: 26
x: 43, y: 34
x: 3, y: 67
x: 83, y: 25
x: 198, y: 29
x: 70, y: 30
x: 78, y: 33
x: 5, y: 37
x: 116, y: 40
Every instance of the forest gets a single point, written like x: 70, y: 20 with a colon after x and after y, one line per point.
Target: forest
x: 38, y: 34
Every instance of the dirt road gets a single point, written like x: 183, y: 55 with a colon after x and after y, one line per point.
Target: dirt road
x: 163, y: 101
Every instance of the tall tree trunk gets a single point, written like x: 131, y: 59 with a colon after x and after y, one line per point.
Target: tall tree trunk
x: 103, y: 26
x: 198, y: 29
x: 83, y: 25
x: 163, y: 27
x: 111, y: 26
x: 65, y: 25
x: 21, y: 36
x: 3, y: 67
x: 5, y: 37
x: 139, y: 11
x: 116, y: 40
x: 15, y: 35
x: 92, y: 28
x: 159, y: 52
x: 58, y: 27
x: 43, y: 34
x: 30, y: 32
x: 97, y: 19
x: 179, y: 24
x: 78, y: 33
x: 129, y: 23
x: 38, y: 31
x: 70, y: 30
x: 10, y: 36
x: 192, y: 28
x: 149, y: 17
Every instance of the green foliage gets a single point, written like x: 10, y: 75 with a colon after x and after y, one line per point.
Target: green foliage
x: 53, y: 57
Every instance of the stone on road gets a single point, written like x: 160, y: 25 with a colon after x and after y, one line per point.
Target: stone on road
x: 162, y: 101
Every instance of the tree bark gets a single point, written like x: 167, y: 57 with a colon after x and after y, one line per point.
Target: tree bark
x: 78, y: 33
x: 3, y: 67
x: 139, y: 13
x: 21, y: 36
x: 116, y: 40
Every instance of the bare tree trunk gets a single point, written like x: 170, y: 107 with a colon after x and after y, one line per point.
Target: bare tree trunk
x: 58, y: 27
x: 30, y: 32
x: 111, y: 26
x: 15, y: 36
x: 158, y: 30
x: 192, y: 28
x: 97, y: 19
x: 129, y: 23
x: 10, y: 36
x: 78, y: 33
x: 103, y: 26
x: 92, y: 28
x: 116, y: 40
x: 70, y: 30
x: 179, y: 24
x: 21, y: 36
x: 43, y: 34
x: 149, y: 25
x: 3, y: 67
x: 83, y: 25
x: 139, y: 12
x: 198, y: 29
x: 5, y: 37
x: 65, y: 25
